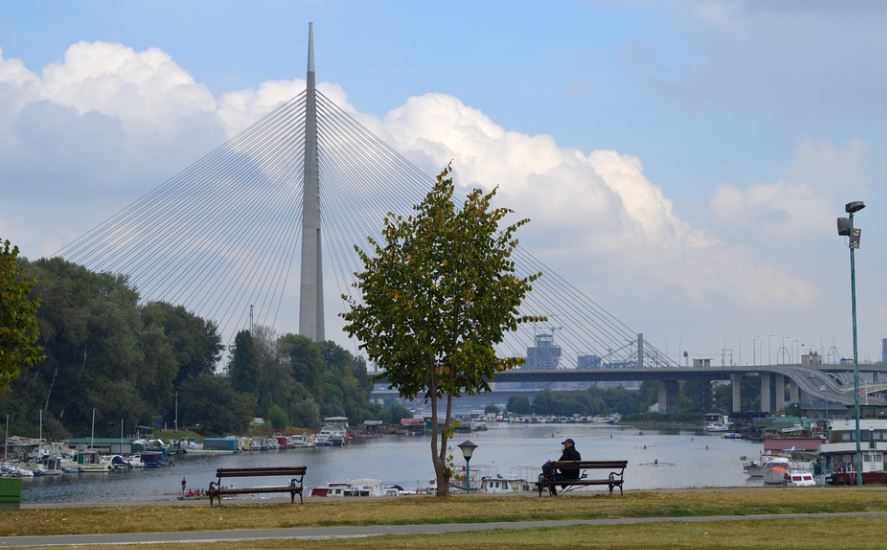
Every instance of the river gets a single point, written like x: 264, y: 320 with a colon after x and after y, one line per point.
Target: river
x: 657, y: 459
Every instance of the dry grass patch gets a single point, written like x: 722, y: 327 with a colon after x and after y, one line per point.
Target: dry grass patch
x: 473, y: 509
x: 777, y: 533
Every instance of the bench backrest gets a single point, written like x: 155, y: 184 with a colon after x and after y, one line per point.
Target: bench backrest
x: 591, y: 464
x: 258, y: 472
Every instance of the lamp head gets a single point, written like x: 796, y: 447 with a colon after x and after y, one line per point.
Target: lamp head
x: 467, y: 449
x: 855, y: 206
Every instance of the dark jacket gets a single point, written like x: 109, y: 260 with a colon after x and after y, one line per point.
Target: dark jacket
x: 570, y: 453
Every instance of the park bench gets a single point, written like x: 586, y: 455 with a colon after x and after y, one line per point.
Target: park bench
x: 295, y: 473
x: 613, y: 479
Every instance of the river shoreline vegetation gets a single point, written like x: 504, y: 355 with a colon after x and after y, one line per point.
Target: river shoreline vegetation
x: 130, y: 361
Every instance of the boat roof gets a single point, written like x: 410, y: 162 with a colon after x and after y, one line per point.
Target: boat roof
x: 797, y: 444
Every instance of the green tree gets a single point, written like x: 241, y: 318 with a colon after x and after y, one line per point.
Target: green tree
x: 278, y: 418
x: 195, y: 341
x: 211, y: 402
x: 518, y: 404
x: 89, y: 329
x: 244, y: 366
x: 19, y: 330
x: 393, y: 412
x: 436, y: 297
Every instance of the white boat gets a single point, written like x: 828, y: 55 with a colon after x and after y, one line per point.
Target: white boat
x: 15, y: 470
x: 49, y: 466
x: 716, y: 422
x: 358, y: 488
x: 192, y: 448
x: 92, y: 462
x: 757, y: 468
x: 118, y: 463
x: 785, y: 473
x: 300, y: 441
x: 334, y: 432
x: 717, y: 428
x: 799, y: 479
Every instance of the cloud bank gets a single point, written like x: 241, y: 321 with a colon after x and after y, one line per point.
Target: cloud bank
x: 107, y: 123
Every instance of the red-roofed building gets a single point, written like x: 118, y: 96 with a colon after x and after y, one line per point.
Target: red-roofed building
x: 806, y: 445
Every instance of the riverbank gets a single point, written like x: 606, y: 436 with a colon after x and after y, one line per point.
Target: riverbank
x: 199, y: 516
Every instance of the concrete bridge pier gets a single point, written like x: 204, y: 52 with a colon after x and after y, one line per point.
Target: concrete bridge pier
x: 766, y: 397
x: 779, y: 390
x: 736, y: 386
x: 794, y: 392
x: 669, y: 391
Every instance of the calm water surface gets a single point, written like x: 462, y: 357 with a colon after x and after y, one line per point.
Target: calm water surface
x: 685, y: 459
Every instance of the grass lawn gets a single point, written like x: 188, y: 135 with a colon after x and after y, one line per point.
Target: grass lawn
x: 409, y: 510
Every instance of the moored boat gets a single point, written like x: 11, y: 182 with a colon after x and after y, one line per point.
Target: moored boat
x: 503, y: 485
x: 91, y: 462
x: 358, y: 488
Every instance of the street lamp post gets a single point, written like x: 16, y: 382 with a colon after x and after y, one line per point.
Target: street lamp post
x: 769, y: 357
x: 467, y: 450
x: 845, y: 228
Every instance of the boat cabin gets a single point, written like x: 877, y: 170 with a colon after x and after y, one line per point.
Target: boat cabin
x: 500, y: 485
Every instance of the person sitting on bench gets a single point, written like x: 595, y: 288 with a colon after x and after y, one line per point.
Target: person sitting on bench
x: 569, y: 453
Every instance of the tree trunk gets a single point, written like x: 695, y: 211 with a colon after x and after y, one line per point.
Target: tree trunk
x: 440, y: 467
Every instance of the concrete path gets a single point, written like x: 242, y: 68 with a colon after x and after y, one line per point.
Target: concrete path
x: 378, y: 530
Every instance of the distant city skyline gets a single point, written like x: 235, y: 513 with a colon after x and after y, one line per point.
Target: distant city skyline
x: 683, y: 162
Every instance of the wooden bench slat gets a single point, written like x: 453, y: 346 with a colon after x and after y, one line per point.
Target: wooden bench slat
x: 246, y: 490
x: 297, y: 473
x: 581, y: 482
x: 615, y: 478
x: 258, y: 472
x: 589, y: 465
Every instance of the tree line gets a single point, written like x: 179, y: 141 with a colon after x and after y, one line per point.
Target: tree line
x: 102, y: 349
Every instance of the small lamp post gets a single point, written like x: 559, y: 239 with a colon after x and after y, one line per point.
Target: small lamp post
x: 467, y: 450
x: 846, y: 229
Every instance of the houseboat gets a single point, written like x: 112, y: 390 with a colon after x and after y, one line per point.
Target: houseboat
x: 839, y: 452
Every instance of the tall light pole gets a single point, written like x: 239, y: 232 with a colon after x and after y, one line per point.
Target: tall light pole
x: 769, y: 357
x: 845, y: 228
x: 740, y: 349
x: 467, y: 451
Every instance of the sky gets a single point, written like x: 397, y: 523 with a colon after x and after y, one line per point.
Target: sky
x: 683, y: 162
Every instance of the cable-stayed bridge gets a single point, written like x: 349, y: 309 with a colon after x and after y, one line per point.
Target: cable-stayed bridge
x: 221, y: 237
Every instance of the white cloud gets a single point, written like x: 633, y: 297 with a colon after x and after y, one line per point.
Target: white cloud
x: 802, y: 203
x: 122, y: 120
x: 598, y: 206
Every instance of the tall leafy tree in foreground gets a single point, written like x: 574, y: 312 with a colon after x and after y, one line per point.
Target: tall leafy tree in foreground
x: 436, y: 296
x: 19, y: 331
